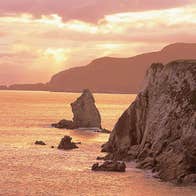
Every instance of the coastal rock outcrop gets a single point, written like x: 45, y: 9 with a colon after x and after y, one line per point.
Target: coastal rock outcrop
x: 159, y: 128
x: 40, y: 143
x: 85, y: 111
x: 66, y: 143
x: 68, y: 124
x: 109, y: 166
x: 85, y: 114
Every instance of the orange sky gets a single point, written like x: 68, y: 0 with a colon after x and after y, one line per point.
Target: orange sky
x: 41, y: 37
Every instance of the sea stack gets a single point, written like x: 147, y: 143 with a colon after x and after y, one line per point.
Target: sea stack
x: 159, y: 128
x: 85, y: 113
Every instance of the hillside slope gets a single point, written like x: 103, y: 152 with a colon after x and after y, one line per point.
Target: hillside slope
x: 117, y: 75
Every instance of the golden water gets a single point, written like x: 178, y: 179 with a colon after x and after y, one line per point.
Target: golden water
x: 29, y: 170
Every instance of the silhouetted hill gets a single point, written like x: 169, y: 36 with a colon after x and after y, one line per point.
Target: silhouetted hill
x: 118, y: 75
x: 3, y: 87
x: 112, y: 75
x: 32, y: 87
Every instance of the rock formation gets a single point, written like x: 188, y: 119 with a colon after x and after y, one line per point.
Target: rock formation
x: 110, y: 166
x: 85, y: 114
x: 40, y: 143
x: 68, y: 124
x: 66, y: 143
x: 159, y: 128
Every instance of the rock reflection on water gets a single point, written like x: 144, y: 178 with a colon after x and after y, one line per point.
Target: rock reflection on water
x: 27, y: 169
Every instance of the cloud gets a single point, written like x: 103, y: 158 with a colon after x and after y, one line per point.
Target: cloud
x: 86, y: 10
x: 38, y: 42
x: 3, y: 34
x: 30, y: 64
x: 149, y: 26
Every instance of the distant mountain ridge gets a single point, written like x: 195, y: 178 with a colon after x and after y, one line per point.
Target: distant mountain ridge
x: 118, y: 75
x: 115, y: 75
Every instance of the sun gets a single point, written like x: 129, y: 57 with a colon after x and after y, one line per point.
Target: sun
x: 58, y: 54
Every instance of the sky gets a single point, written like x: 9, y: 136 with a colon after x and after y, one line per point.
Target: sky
x: 39, y: 38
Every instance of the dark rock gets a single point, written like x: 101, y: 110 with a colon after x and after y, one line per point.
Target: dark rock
x: 68, y: 124
x: 193, y: 98
x: 190, y: 179
x: 85, y: 111
x: 110, y: 166
x: 148, y: 163
x: 66, y: 143
x: 100, y: 158
x: 133, y: 152
x: 105, y: 131
x: 40, y: 143
x: 106, y: 148
x: 159, y: 128
x: 85, y: 114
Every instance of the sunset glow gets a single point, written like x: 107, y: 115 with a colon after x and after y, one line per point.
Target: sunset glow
x: 50, y: 41
x: 98, y: 97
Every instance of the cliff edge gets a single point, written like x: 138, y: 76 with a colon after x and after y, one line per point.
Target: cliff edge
x: 159, y: 128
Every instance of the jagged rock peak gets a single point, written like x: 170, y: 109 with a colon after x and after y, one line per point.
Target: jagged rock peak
x: 87, y: 95
x: 85, y: 111
x: 85, y: 114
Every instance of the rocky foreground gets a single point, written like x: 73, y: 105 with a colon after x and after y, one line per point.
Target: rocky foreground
x: 159, y: 128
x: 110, y: 166
x: 85, y: 115
x: 67, y: 144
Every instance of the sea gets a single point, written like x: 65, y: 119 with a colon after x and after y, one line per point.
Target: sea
x: 30, y: 170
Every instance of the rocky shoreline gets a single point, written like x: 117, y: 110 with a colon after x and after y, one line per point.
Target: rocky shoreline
x: 158, y: 130
x: 66, y: 143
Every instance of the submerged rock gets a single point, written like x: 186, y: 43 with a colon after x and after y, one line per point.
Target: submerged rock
x: 66, y: 143
x: 40, y: 143
x: 85, y: 115
x: 159, y: 128
x: 109, y: 166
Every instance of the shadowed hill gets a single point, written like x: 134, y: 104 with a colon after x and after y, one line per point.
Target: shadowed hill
x: 111, y: 75
x: 117, y: 75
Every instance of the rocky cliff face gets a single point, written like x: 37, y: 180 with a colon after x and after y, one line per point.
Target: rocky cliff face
x: 159, y: 128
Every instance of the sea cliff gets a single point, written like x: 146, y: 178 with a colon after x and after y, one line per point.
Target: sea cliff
x: 158, y: 130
